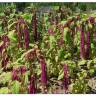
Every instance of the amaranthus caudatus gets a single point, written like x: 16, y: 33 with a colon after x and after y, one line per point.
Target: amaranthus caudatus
x: 34, y: 27
x: 88, y: 47
x: 82, y: 44
x: 44, y: 71
x: 5, y: 40
x: 32, y: 87
x: 65, y: 81
x: 3, y: 51
x: 19, y: 33
x: 15, y: 74
x: 21, y: 70
x: 22, y: 28
x: 26, y: 37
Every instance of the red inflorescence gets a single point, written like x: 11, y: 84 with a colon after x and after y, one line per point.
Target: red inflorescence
x: 32, y: 87
x: 44, y: 71
x: 34, y: 26
x: 65, y: 81
x: 82, y: 45
x: 22, y: 69
x: 26, y: 38
x: 15, y: 74
x: 88, y: 49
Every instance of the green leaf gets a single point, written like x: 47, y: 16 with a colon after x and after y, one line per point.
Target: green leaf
x: 49, y: 51
x: 38, y: 72
x: 61, y: 75
x: 67, y: 55
x: 12, y: 35
x: 91, y: 71
x: 15, y: 87
x: 52, y: 40
x: 27, y: 17
x: 5, y: 77
x: 89, y: 63
x: 82, y: 62
x: 67, y: 37
x: 56, y: 7
x: 92, y: 45
x: 26, y: 78
x: 61, y: 53
x: 4, y: 90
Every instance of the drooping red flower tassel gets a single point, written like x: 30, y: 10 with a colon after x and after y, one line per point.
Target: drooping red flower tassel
x: 15, y: 74
x: 34, y: 27
x: 22, y: 69
x: 5, y: 57
x: 5, y: 40
x: 1, y: 49
x: 43, y: 73
x: 82, y: 46
x: 26, y: 37
x: 88, y: 47
x: 32, y: 87
x: 5, y: 60
x: 65, y: 81
x: 19, y: 34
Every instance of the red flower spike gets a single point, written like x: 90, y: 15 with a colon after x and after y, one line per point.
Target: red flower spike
x: 44, y: 72
x: 82, y: 46
x: 65, y: 81
x: 15, y: 74
x: 32, y: 89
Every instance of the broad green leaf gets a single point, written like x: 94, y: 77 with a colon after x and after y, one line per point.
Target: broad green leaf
x: 15, y: 87
x: 92, y: 45
x: 4, y: 90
